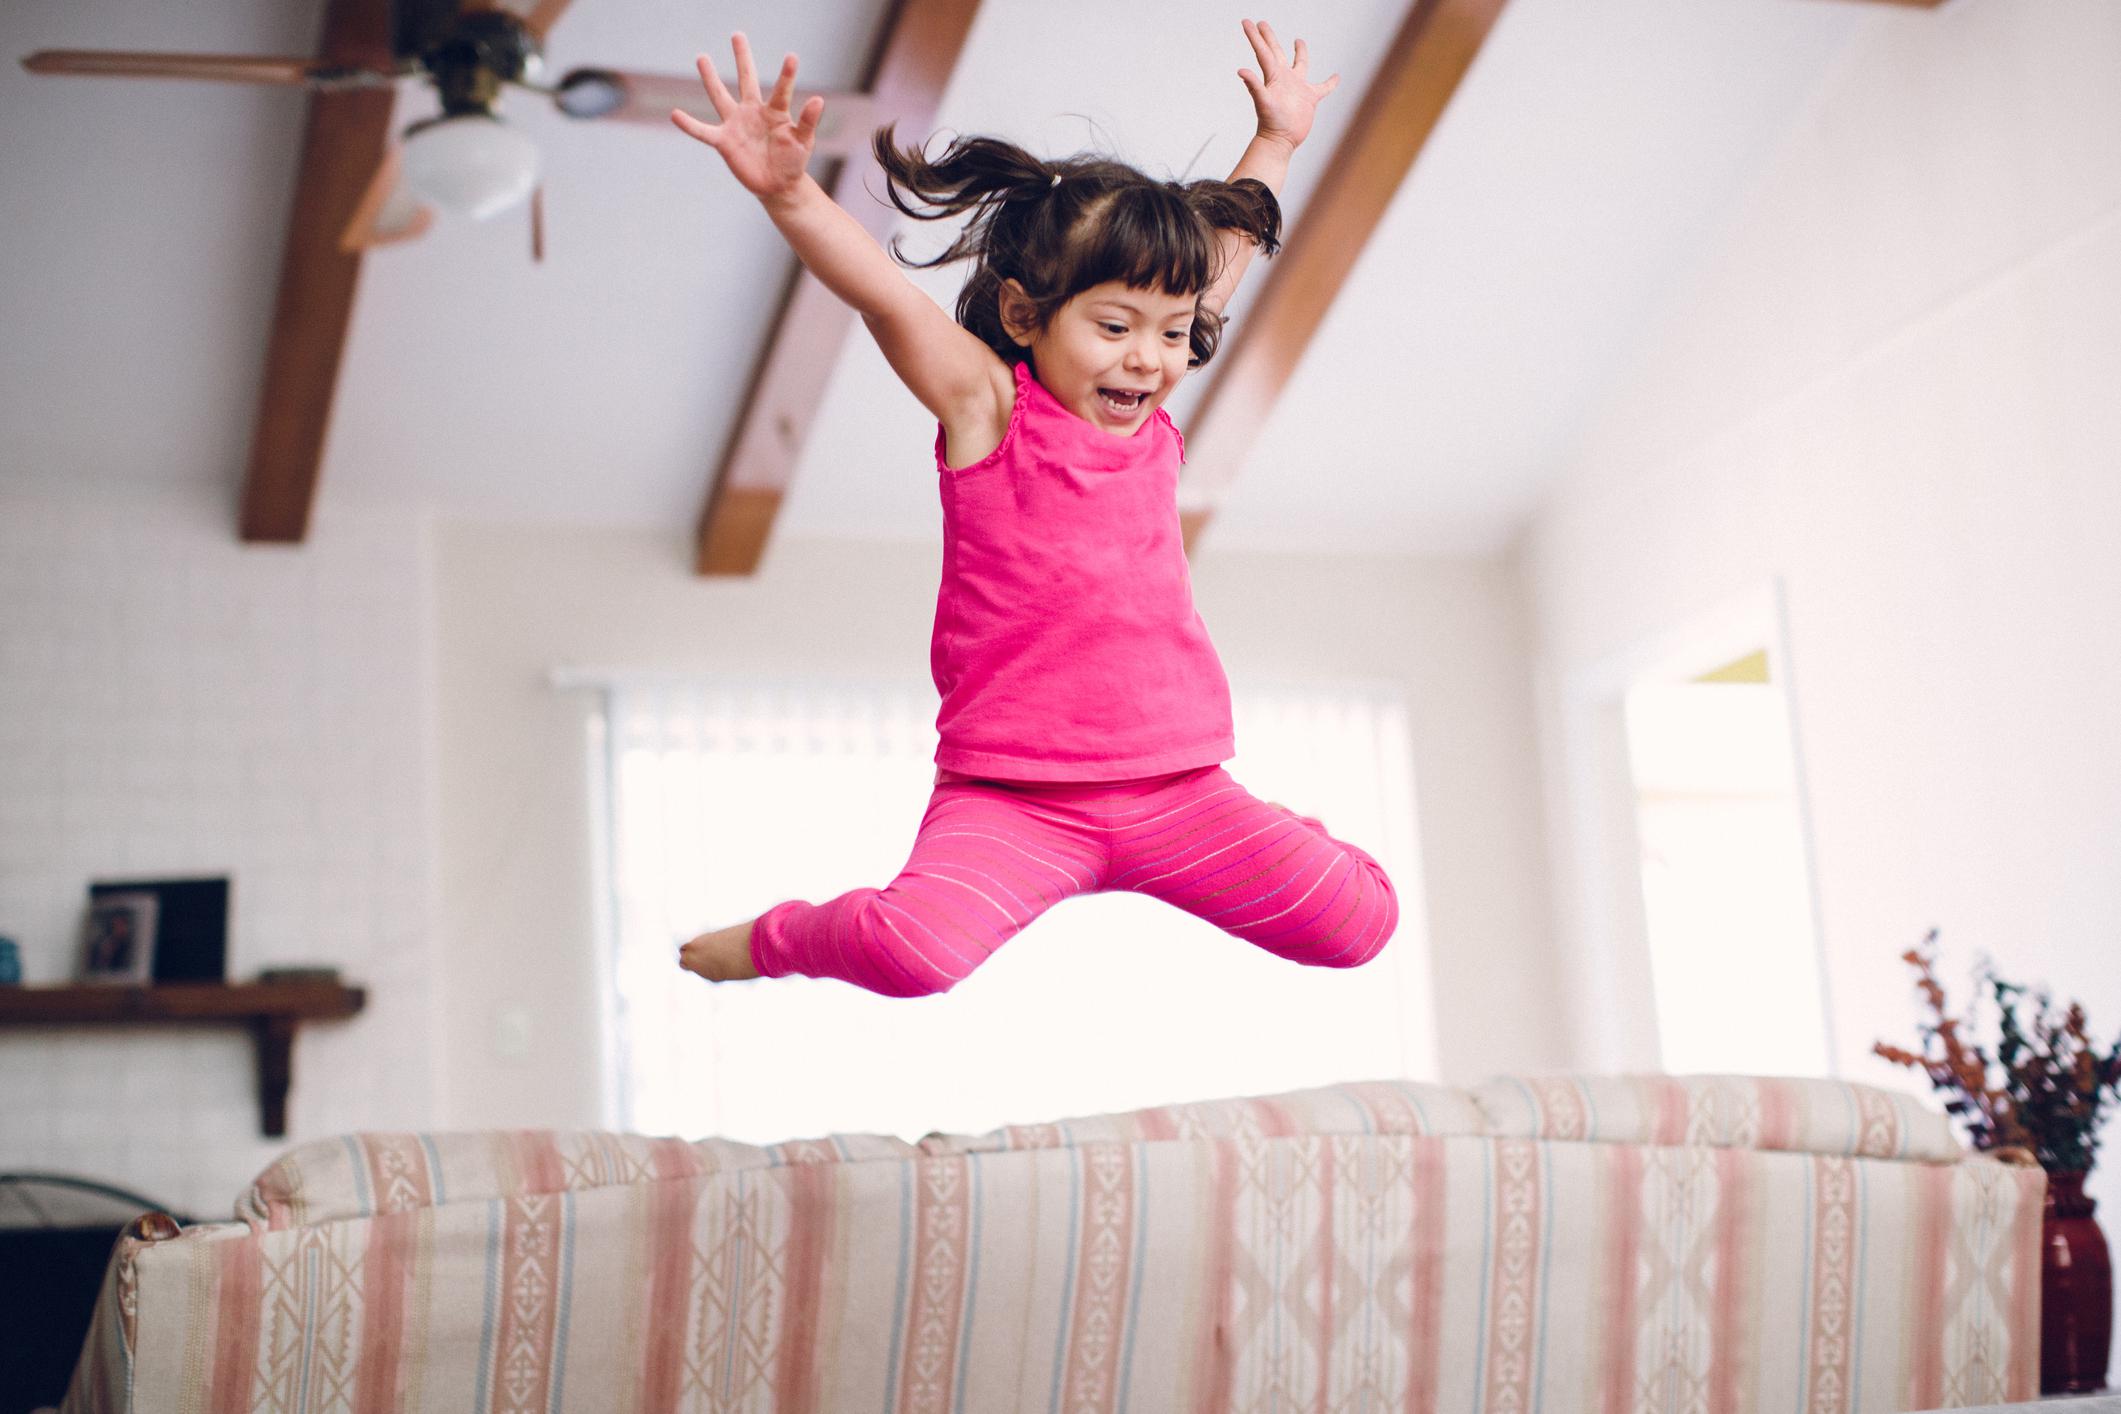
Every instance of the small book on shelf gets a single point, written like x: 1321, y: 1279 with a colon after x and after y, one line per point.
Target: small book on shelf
x: 299, y: 974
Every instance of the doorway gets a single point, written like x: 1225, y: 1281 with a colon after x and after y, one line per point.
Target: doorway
x: 1699, y: 923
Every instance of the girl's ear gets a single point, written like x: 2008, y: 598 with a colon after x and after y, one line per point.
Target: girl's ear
x: 1018, y: 313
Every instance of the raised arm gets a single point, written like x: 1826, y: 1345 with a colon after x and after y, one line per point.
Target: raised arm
x: 1284, y: 99
x: 767, y: 148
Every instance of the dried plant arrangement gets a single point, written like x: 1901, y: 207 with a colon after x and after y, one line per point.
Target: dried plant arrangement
x: 2050, y: 1087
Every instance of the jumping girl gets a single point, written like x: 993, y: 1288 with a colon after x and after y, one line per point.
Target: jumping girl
x: 1084, y: 711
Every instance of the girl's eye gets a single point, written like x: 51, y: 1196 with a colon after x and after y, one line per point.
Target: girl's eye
x: 1115, y: 328
x: 1175, y: 334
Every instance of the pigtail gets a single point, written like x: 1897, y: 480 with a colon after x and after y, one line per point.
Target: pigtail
x: 974, y: 174
x: 1021, y: 217
x: 1246, y: 206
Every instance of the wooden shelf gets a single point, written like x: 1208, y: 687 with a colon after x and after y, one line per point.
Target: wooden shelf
x: 272, y: 1011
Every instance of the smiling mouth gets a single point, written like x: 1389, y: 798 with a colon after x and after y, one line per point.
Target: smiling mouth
x: 1122, y: 402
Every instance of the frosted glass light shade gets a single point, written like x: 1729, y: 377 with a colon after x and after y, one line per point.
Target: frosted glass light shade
x: 470, y: 164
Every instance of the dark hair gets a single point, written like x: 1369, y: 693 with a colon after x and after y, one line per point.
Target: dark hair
x: 1057, y: 228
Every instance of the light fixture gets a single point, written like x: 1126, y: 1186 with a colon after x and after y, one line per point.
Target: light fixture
x: 469, y: 163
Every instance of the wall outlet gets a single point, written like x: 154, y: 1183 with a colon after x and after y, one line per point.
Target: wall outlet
x: 511, y: 1034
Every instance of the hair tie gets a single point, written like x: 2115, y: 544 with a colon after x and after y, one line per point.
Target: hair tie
x: 1056, y: 179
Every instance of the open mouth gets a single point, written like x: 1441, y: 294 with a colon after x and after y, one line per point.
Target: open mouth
x: 1122, y: 402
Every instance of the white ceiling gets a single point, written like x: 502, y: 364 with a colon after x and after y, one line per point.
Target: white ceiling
x: 1590, y: 159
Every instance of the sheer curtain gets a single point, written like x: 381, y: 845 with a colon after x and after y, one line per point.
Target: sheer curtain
x: 721, y: 798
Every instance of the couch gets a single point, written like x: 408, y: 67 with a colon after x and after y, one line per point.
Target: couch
x: 1557, y: 1243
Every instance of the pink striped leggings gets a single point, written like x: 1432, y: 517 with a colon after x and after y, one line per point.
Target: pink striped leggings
x: 992, y: 855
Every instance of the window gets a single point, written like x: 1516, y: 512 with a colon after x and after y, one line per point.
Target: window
x: 723, y: 798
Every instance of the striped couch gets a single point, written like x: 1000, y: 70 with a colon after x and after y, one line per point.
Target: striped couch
x: 1583, y: 1243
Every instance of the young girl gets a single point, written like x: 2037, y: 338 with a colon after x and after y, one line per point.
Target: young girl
x: 1084, y: 711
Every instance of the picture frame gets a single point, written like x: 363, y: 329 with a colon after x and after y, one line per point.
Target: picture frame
x: 191, y: 924
x: 118, y: 939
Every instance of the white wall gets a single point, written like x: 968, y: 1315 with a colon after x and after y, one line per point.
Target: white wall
x: 172, y: 703
x: 514, y: 602
x: 1455, y: 633
x: 1898, y: 386
x: 361, y: 733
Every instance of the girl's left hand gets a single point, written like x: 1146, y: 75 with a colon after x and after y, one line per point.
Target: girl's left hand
x: 1285, y: 99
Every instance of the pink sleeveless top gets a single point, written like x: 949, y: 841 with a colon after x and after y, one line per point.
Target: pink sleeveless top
x: 1066, y: 646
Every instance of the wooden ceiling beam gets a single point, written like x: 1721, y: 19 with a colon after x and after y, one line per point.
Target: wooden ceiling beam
x: 914, y: 58
x: 1436, y: 44
x: 345, y: 137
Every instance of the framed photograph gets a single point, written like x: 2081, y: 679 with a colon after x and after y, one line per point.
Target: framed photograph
x: 118, y: 938
x: 191, y: 924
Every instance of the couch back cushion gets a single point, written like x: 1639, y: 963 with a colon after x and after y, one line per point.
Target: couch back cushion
x: 359, y: 1175
x: 1799, y: 1114
x: 1353, y: 1107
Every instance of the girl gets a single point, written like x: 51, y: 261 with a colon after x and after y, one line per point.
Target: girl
x: 1084, y: 711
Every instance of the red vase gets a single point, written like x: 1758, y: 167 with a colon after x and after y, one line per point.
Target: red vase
x: 2076, y: 1291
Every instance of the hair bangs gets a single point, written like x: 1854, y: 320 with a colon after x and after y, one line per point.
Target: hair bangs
x: 1147, y: 237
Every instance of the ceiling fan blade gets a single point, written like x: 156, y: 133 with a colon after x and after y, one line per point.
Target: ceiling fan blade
x: 629, y: 96
x: 538, y: 16
x: 224, y: 68
x: 388, y: 212
x: 543, y: 16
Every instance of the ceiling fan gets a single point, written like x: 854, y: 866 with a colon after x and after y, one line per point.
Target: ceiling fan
x: 465, y: 159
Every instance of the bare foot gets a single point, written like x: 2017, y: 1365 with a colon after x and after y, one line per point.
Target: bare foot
x: 721, y: 956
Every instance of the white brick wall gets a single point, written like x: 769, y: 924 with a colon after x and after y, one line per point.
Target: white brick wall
x: 173, y: 702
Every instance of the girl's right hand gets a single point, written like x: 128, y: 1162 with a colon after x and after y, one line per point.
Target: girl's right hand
x: 765, y: 146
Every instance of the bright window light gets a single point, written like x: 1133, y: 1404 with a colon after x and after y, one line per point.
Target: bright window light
x: 724, y: 798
